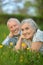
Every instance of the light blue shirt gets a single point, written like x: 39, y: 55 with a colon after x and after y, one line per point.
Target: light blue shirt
x: 9, y: 40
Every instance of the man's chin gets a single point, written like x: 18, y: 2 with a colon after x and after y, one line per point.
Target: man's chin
x: 16, y: 33
x: 27, y: 38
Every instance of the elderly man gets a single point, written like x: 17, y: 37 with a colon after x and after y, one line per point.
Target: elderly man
x: 13, y: 25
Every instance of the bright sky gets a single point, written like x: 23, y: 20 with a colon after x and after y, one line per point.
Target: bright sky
x: 11, y: 6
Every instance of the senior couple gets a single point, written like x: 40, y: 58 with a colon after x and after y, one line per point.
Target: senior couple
x: 26, y: 32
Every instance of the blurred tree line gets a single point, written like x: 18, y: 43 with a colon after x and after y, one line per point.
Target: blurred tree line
x: 30, y: 7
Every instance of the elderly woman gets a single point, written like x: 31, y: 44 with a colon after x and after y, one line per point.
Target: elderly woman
x: 31, y: 35
x: 13, y: 25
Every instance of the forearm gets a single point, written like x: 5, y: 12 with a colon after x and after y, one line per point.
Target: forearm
x: 36, y: 46
x: 18, y: 45
x: 6, y: 41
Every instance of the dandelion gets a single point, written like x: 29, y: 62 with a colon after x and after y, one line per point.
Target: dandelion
x: 28, y: 48
x: 21, y: 58
x: 23, y: 44
x: 11, y: 44
x: 1, y: 46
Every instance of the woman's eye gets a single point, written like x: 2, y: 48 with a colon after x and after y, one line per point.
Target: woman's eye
x: 14, y: 25
x: 26, y: 28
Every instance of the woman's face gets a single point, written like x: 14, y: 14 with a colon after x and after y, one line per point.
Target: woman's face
x: 27, y: 31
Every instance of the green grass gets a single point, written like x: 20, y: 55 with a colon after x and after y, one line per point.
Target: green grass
x: 3, y: 32
x: 21, y: 57
x: 40, y: 25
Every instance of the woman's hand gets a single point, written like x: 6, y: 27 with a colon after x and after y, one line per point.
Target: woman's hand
x: 22, y: 37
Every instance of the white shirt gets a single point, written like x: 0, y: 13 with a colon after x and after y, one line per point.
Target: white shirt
x: 38, y: 37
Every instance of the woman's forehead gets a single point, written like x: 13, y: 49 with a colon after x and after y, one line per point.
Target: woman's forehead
x: 25, y: 25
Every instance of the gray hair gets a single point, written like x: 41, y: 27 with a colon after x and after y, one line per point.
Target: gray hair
x: 31, y: 22
x: 14, y: 20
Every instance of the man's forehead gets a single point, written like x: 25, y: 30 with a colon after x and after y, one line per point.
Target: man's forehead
x: 12, y: 22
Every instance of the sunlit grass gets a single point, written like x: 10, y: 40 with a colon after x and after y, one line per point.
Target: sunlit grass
x: 22, y: 57
x: 3, y: 32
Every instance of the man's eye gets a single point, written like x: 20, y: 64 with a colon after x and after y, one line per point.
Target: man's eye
x: 11, y: 27
x: 22, y: 29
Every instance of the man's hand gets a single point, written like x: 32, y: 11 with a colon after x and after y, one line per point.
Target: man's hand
x: 11, y: 34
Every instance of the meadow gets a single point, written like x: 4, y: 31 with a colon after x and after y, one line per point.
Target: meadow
x: 20, y: 57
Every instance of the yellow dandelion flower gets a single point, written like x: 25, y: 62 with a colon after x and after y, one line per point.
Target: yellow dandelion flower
x: 1, y: 46
x: 28, y: 48
x: 21, y: 60
x: 23, y: 44
x: 11, y: 44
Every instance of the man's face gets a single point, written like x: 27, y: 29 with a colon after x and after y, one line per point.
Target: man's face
x: 27, y: 31
x: 14, y: 27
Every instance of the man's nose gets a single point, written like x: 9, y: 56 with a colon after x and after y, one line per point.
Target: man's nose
x: 14, y: 28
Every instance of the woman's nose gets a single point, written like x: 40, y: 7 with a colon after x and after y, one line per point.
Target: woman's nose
x: 24, y: 32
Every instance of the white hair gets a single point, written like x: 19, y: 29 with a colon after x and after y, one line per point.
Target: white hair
x: 31, y: 22
x: 13, y: 20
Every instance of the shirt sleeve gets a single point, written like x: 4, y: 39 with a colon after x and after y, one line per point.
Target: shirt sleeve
x: 6, y: 41
x: 38, y: 36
